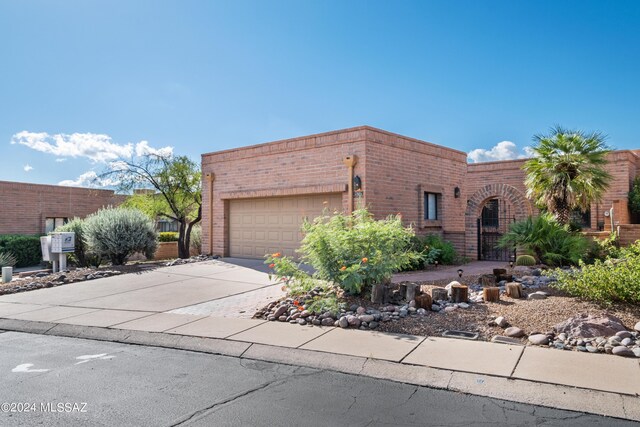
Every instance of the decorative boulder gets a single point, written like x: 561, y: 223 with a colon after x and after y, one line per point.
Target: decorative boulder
x: 589, y: 326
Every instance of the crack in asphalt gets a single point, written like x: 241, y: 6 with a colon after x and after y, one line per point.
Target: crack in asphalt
x: 205, y: 411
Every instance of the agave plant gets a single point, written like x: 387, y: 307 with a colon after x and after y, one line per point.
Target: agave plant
x: 7, y: 259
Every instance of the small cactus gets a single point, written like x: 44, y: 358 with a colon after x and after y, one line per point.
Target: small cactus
x: 526, y: 260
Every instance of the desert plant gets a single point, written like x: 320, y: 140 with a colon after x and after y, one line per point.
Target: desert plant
x: 525, y: 260
x: 196, y: 239
x: 25, y: 249
x: 357, y: 251
x: 82, y: 255
x: 551, y: 243
x: 634, y: 196
x: 168, y: 236
x: 7, y: 260
x: 567, y: 171
x: 608, y: 281
x: 117, y: 233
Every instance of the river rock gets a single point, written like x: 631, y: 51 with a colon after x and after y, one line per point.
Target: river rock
x: 622, y: 351
x: 327, y: 321
x: 353, y: 321
x: 623, y: 334
x: 539, y: 339
x: 501, y: 321
x: 343, y: 322
x: 637, y: 327
x: 537, y: 295
x: 514, y: 332
x: 366, y: 317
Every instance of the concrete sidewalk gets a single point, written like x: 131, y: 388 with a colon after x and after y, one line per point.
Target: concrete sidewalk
x: 153, y: 309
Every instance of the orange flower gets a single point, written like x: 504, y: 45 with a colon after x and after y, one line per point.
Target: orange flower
x: 343, y: 268
x: 300, y: 308
x: 295, y: 302
x: 276, y: 255
x: 365, y: 260
x: 271, y: 265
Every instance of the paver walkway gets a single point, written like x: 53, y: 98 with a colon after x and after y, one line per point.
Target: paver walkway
x: 171, y: 307
x: 472, y: 268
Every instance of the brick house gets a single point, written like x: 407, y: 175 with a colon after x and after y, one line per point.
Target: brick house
x: 255, y: 198
x: 38, y: 209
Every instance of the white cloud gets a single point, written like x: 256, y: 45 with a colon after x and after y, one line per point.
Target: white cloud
x: 61, y: 159
x: 28, y: 168
x: 143, y: 148
x: 504, y: 150
x: 99, y: 148
x: 89, y: 179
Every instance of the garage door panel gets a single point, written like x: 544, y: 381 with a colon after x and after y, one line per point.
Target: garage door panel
x: 260, y: 226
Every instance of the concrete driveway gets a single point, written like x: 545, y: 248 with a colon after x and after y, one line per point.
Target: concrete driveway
x: 167, y: 296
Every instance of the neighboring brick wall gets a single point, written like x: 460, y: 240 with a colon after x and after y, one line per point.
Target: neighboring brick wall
x: 25, y: 206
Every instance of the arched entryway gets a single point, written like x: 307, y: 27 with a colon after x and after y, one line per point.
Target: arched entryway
x: 490, y: 211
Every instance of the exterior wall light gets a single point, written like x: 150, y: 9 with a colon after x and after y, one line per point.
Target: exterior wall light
x: 460, y: 273
x: 357, y: 183
x: 456, y: 192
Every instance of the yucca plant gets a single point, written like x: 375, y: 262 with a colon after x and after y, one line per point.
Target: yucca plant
x: 7, y: 259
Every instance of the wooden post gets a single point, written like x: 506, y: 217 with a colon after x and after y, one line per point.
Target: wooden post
x: 377, y: 293
x: 350, y: 162
x: 411, y: 291
x: 439, y: 294
x: 514, y: 290
x: 487, y: 280
x: 491, y: 294
x: 459, y: 293
x: 210, y: 178
x: 423, y: 301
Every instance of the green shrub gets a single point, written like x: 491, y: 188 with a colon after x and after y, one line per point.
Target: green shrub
x: 168, y: 236
x: 82, y: 255
x: 634, y: 196
x: 603, y: 248
x: 117, y: 233
x: 7, y: 260
x: 25, y: 249
x: 196, y: 238
x: 550, y: 242
x: 609, y: 281
x: 356, y: 251
x: 525, y: 260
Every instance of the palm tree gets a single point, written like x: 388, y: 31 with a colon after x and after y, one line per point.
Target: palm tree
x: 567, y: 171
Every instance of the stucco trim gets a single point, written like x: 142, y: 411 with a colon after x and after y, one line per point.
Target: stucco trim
x: 280, y: 192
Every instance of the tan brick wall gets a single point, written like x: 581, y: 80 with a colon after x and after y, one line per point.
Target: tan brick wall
x: 25, y: 206
x: 307, y: 165
x: 395, y: 171
x: 401, y: 169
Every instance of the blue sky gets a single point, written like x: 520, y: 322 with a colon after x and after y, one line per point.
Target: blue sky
x: 82, y: 79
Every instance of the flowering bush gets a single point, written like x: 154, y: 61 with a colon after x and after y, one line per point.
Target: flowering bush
x: 356, y: 251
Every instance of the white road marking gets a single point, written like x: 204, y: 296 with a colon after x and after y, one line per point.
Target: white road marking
x: 89, y: 357
x: 25, y: 368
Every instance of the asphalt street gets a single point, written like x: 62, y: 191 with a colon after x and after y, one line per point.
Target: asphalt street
x: 55, y: 381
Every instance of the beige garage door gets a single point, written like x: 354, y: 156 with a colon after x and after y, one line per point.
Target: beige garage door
x: 261, y: 226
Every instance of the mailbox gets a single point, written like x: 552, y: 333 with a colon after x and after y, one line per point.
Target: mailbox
x: 63, y: 243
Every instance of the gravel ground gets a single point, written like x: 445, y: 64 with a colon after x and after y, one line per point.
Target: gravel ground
x: 529, y: 315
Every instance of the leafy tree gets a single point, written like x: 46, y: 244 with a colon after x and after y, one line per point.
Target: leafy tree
x: 178, y: 192
x: 567, y: 171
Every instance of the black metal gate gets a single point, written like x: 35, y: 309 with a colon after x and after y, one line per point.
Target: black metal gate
x: 493, y: 222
